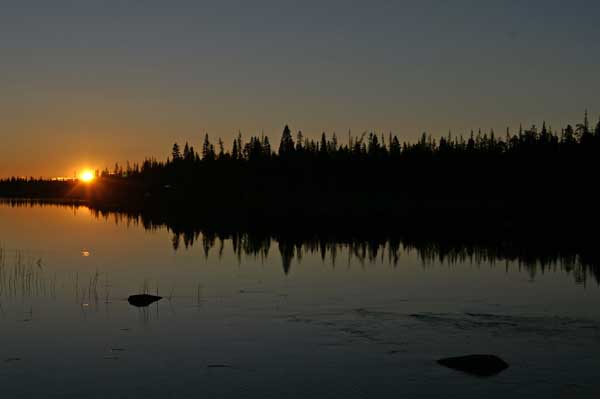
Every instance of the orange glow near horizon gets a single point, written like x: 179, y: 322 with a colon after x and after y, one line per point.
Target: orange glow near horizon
x: 86, y: 176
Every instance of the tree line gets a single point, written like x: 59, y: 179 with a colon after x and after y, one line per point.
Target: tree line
x: 531, y: 142
x: 538, y: 172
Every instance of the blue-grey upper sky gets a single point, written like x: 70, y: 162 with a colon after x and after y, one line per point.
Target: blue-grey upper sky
x: 88, y: 83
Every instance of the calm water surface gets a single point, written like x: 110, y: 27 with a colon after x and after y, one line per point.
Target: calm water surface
x: 235, y: 324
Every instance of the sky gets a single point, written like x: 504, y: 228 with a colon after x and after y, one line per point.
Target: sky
x: 90, y: 83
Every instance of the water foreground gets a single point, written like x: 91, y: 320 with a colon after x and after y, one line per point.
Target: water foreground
x: 340, y: 320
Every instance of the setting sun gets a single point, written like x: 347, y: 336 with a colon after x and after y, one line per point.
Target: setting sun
x: 86, y: 176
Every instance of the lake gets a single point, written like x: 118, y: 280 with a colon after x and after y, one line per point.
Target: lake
x: 247, y: 316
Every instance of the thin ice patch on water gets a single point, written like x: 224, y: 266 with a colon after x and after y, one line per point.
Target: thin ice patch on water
x: 376, y: 314
x: 352, y: 326
x: 501, y: 324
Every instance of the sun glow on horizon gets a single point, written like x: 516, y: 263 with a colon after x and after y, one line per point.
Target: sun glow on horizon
x: 86, y: 176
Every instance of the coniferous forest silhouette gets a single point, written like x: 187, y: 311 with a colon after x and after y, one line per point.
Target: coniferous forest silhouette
x: 534, y: 177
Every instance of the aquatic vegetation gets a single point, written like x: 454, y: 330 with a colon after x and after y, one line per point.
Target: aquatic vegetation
x: 22, y: 275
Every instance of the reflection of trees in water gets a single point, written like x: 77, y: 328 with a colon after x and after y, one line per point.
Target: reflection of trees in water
x: 535, y: 256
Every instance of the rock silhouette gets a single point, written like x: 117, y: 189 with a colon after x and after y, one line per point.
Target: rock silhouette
x: 143, y: 300
x: 481, y: 365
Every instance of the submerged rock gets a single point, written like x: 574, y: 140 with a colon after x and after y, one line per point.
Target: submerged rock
x: 142, y: 300
x: 481, y: 365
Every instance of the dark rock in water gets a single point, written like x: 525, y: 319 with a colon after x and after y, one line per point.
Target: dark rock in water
x: 142, y: 300
x: 481, y: 365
